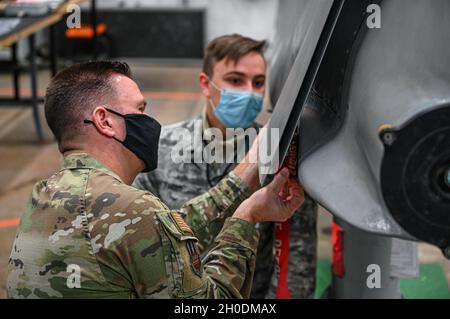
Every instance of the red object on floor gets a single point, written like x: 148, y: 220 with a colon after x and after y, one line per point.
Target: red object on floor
x: 337, y: 237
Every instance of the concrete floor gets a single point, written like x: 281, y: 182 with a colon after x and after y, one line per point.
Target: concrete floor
x: 173, y: 95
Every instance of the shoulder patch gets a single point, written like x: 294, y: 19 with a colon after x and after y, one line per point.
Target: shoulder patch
x: 182, y: 254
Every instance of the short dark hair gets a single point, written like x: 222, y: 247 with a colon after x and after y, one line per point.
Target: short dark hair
x: 232, y: 47
x: 74, y: 92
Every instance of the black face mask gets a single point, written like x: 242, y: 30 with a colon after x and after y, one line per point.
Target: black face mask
x: 142, y: 137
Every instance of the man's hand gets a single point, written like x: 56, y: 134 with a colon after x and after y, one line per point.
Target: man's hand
x: 276, y: 202
x: 247, y: 170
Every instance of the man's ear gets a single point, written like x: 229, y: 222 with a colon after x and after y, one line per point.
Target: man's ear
x: 204, y: 85
x: 104, y: 122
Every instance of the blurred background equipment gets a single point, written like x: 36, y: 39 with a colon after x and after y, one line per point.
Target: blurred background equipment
x: 31, y: 8
x: 23, y: 20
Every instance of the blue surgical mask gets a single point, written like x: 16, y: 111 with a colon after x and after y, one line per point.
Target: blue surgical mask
x: 238, y: 108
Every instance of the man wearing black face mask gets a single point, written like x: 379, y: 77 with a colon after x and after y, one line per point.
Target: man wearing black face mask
x: 142, y: 137
x: 87, y: 234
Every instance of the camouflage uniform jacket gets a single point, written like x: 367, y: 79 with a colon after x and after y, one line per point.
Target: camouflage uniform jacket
x: 177, y: 183
x: 86, y: 234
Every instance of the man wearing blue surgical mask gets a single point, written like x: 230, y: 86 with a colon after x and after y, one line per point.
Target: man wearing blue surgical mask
x: 237, y: 108
x: 234, y: 88
x: 233, y: 83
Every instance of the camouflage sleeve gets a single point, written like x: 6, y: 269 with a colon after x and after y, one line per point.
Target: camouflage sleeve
x: 206, y: 213
x: 231, y: 263
x: 151, y: 250
x: 227, y: 270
